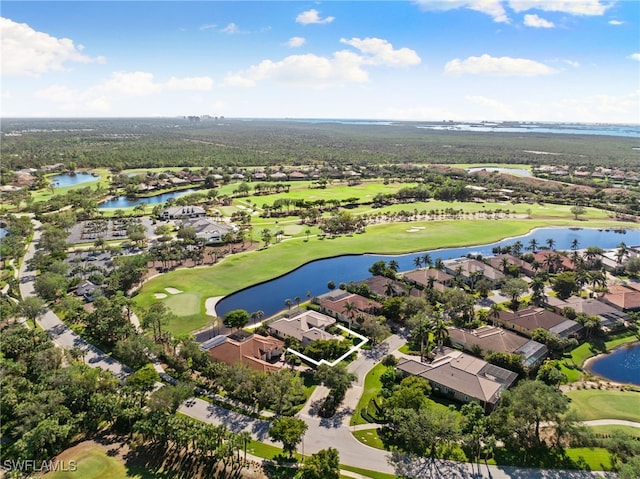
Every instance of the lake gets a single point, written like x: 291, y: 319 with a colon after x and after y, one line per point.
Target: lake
x: 622, y: 365
x: 508, y: 171
x: 60, y: 181
x: 124, y: 202
x: 270, y: 296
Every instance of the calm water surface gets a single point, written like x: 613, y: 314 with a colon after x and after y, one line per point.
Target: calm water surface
x: 313, y: 277
x: 621, y: 366
x: 124, y: 202
x: 60, y: 181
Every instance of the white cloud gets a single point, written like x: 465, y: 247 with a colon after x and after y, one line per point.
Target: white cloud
x: 208, y: 26
x: 573, y: 7
x: 231, y: 29
x: 496, y: 66
x: 615, y: 22
x: 635, y: 56
x: 493, y: 8
x: 120, y: 86
x: 572, y: 63
x: 312, y: 17
x: 533, y: 20
x: 304, y: 70
x: 296, y: 42
x: 617, y: 109
x: 318, y: 71
x: 26, y: 51
x: 380, y: 52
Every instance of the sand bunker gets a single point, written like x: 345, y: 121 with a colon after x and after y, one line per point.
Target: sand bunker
x: 413, y: 230
x: 172, y: 290
x: 159, y: 295
x: 210, y: 305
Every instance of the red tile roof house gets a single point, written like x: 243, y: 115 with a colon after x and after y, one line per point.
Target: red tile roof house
x: 378, y: 286
x: 256, y: 351
x: 565, y: 265
x: 420, y: 277
x: 462, y: 376
x: 622, y: 298
x: 468, y: 267
x: 526, y: 320
x: 336, y: 308
x: 610, y: 317
x: 496, y: 262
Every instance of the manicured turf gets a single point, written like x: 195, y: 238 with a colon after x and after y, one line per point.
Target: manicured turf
x: 593, y: 458
x: 369, y: 437
x: 608, y: 430
x: 239, y: 271
x: 92, y: 463
x: 184, y: 304
x: 600, y: 404
x: 372, y: 386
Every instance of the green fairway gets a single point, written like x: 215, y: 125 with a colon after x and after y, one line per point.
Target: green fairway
x: 590, y: 458
x: 242, y: 270
x: 92, y: 463
x: 184, y: 304
x: 608, y: 430
x: 592, y: 404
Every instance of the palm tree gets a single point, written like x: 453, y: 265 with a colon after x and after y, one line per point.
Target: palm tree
x: 575, y: 244
x: 351, y: 311
x: 288, y: 303
x: 417, y: 261
x: 244, y: 437
x: 598, y: 278
x: 440, y: 331
x: 393, y: 265
x: 622, y: 251
x: 388, y: 289
x: 517, y: 248
x: 297, y: 299
x: 426, y: 260
x: 537, y: 287
x: 494, y: 312
x: 551, y: 243
x: 533, y: 245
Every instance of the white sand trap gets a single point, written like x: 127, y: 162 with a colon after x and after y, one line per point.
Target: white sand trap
x: 419, y: 227
x: 159, y: 295
x: 172, y: 290
x: 210, y: 305
x: 413, y: 230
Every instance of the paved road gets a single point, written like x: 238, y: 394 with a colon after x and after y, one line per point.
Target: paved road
x: 60, y: 333
x: 336, y: 432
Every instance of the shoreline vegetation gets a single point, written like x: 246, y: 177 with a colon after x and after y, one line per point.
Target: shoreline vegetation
x: 244, y: 270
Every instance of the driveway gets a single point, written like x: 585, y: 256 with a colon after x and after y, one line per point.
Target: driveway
x: 59, y: 332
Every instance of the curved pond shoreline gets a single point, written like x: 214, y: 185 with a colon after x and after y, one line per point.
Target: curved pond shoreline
x: 291, y: 284
x: 590, y: 362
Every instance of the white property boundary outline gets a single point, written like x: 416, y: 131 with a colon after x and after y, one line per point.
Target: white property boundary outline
x: 333, y: 363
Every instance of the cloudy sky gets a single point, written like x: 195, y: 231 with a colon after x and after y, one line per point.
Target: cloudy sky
x: 531, y: 60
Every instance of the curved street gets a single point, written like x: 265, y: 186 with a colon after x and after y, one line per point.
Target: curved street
x: 322, y: 432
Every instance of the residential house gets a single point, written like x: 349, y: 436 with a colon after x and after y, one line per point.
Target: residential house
x: 498, y: 261
x: 472, y: 270
x: 462, y: 376
x: 306, y: 327
x: 622, y: 298
x: 259, y: 353
x: 564, y: 263
x: 209, y: 229
x: 498, y: 340
x: 338, y: 309
x: 610, y: 318
x: 87, y: 290
x: 526, y: 320
x: 382, y: 286
x: 178, y: 212
x: 424, y: 278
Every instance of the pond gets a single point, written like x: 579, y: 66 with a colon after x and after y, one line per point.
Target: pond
x: 124, y: 202
x: 507, y: 171
x: 60, y: 181
x: 313, y: 277
x: 3, y: 232
x: 621, y: 366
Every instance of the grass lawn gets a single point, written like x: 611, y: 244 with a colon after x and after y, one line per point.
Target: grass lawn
x: 369, y: 437
x: 590, y: 458
x: 184, y: 304
x: 600, y: 404
x: 372, y: 387
x: 239, y: 271
x: 92, y: 463
x: 607, y: 430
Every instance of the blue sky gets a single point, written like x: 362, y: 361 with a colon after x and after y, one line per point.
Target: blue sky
x: 529, y: 60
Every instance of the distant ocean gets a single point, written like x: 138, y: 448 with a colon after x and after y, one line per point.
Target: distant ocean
x: 485, y: 127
